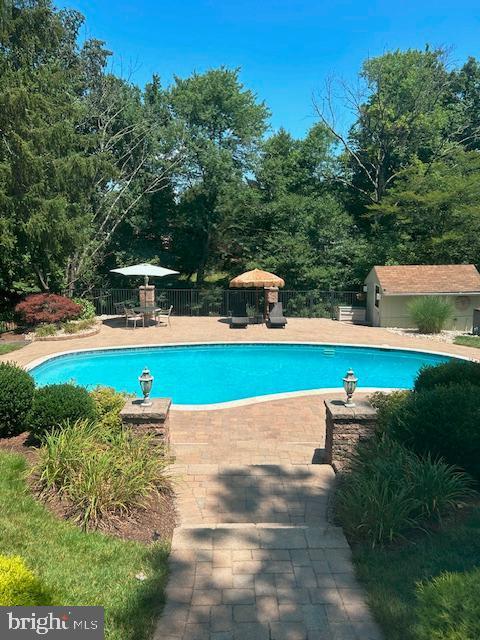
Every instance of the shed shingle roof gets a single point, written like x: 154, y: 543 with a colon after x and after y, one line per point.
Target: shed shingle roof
x: 437, y: 278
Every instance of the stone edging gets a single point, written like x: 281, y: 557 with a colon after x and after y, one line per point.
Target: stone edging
x: 68, y: 336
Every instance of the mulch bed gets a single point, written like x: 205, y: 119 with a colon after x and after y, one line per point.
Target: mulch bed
x: 147, y: 523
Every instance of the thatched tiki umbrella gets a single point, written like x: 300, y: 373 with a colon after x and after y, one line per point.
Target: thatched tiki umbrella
x: 257, y: 279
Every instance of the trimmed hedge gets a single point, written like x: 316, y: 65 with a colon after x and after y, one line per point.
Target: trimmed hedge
x: 449, y: 607
x: 19, y: 586
x: 56, y: 404
x: 453, y: 372
x: 443, y: 421
x: 16, y: 395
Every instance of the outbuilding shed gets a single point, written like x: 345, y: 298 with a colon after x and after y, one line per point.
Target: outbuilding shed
x: 390, y: 289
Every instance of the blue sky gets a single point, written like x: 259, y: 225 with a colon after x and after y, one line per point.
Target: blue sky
x: 286, y: 49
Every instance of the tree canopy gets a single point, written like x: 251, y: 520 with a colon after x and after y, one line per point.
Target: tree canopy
x: 96, y: 171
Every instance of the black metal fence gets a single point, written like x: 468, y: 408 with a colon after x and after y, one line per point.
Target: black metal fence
x: 218, y: 302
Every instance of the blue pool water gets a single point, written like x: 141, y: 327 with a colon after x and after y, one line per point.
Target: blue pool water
x: 205, y: 374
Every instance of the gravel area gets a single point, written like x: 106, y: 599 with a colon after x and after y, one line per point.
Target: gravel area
x: 443, y: 336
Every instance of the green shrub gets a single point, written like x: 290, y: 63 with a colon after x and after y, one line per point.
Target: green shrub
x: 387, y: 404
x: 108, y: 404
x: 443, y: 422
x: 453, y: 372
x: 388, y: 490
x: 19, y: 587
x: 45, y: 330
x: 88, y: 308
x: 449, y: 607
x: 430, y: 313
x: 100, y: 470
x: 16, y: 395
x: 54, y: 404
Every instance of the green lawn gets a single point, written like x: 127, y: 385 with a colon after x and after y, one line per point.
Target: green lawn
x: 6, y: 347
x: 468, y: 341
x: 390, y: 575
x: 81, y: 568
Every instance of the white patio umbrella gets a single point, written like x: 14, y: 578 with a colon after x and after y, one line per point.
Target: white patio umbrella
x: 146, y: 270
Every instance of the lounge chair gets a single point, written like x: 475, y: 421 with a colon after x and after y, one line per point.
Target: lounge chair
x: 239, y: 318
x: 163, y: 316
x: 276, y: 319
x: 134, y: 317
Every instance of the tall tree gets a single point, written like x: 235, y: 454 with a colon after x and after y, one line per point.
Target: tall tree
x: 300, y: 228
x: 401, y: 112
x: 40, y: 150
x: 224, y: 124
x: 432, y: 214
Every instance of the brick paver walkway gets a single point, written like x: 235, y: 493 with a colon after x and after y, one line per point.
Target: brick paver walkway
x: 254, y: 556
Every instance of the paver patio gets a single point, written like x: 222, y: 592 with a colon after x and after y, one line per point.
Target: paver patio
x: 254, y: 556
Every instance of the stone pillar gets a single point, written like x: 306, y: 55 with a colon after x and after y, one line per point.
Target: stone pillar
x: 345, y: 427
x: 147, y: 298
x: 151, y: 420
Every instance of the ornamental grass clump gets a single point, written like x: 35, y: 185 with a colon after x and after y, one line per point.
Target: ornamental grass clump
x: 100, y: 470
x: 389, y: 490
x: 430, y: 313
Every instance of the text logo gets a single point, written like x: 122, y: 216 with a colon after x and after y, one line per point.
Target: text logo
x: 55, y: 623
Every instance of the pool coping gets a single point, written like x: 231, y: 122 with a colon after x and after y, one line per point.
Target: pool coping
x: 253, y: 399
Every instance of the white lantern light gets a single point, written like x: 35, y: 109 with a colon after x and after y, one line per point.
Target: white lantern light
x: 350, y: 384
x: 146, y: 382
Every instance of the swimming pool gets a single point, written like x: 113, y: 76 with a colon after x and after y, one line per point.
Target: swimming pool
x: 204, y: 374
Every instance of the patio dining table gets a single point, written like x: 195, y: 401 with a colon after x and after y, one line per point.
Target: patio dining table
x: 148, y: 312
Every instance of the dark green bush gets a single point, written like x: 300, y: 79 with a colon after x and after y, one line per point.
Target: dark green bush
x: 453, y: 372
x: 57, y: 403
x: 443, y: 421
x: 449, y: 607
x: 16, y: 395
x: 388, y: 490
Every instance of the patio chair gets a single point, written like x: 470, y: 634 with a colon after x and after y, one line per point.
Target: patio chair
x: 239, y: 318
x: 276, y: 319
x: 134, y: 317
x: 163, y: 316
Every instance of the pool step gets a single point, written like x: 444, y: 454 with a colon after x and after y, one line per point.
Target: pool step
x: 329, y: 351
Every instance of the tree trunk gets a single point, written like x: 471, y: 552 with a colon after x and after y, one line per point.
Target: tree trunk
x: 203, y: 261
